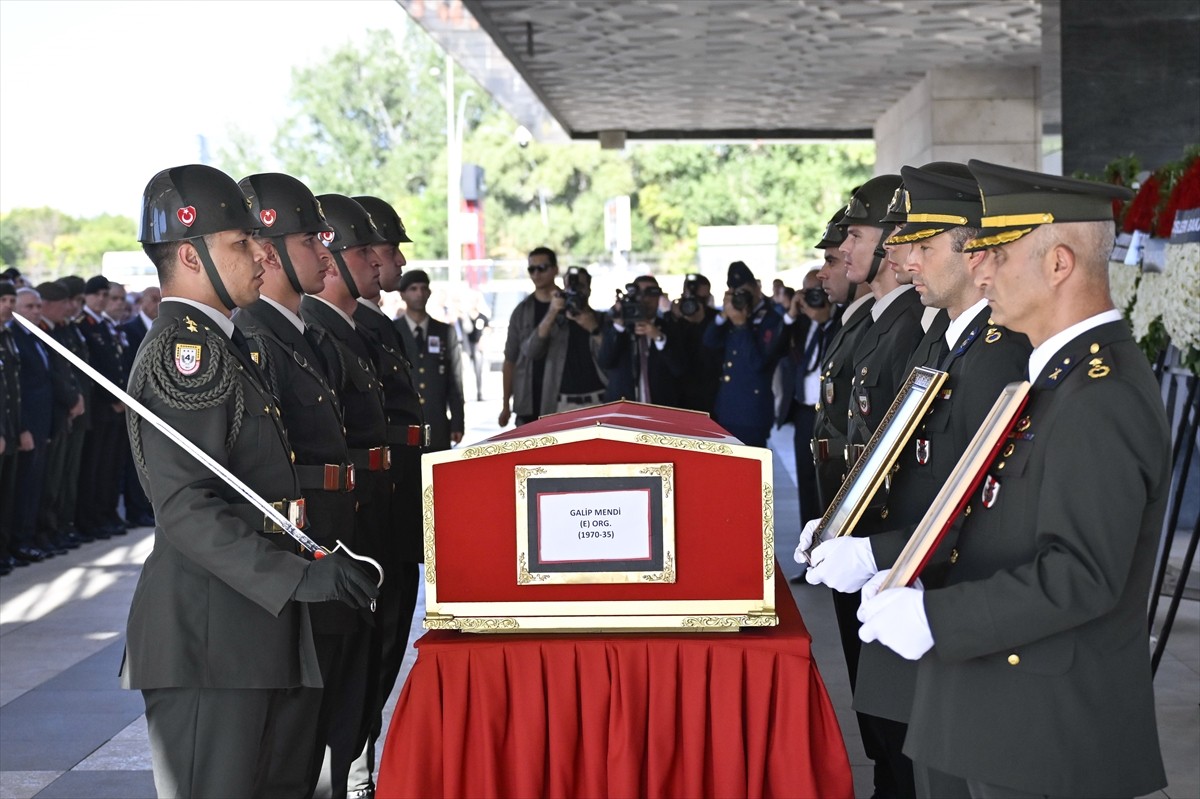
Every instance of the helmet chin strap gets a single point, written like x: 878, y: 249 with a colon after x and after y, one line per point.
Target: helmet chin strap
x: 879, y: 256
x: 285, y: 261
x: 214, y: 277
x: 347, y: 278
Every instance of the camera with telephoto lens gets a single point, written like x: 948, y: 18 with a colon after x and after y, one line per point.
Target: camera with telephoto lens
x: 630, y: 302
x: 816, y: 298
x: 576, y: 293
x: 742, y: 299
x: 689, y: 303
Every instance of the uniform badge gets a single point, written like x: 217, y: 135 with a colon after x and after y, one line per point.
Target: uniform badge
x: 190, y: 325
x: 254, y: 357
x: 1099, y: 369
x: 187, y: 358
x: 267, y: 215
x: 187, y: 215
x: 991, y: 490
x: 922, y: 451
x: 434, y: 345
x: 993, y: 335
x: 326, y: 237
x: 864, y: 403
x: 828, y: 392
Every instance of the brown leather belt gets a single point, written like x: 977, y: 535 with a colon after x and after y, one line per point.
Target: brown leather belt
x: 326, y: 476
x: 292, y: 509
x: 375, y: 459
x: 408, y: 435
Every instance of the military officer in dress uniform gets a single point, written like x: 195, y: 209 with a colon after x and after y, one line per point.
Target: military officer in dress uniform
x: 10, y: 433
x: 288, y: 352
x: 408, y: 435
x: 437, y: 356
x: 218, y: 640
x: 747, y: 333
x: 99, y: 482
x: 70, y: 336
x: 980, y: 358
x: 1034, y: 675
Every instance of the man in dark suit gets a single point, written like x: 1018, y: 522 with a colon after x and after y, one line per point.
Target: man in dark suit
x: 219, y: 640
x: 137, y: 506
x: 10, y: 432
x: 810, y: 324
x: 644, y: 354
x: 1034, y: 675
x: 746, y: 332
x: 436, y: 354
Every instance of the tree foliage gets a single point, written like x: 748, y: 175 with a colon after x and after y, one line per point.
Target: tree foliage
x: 47, y: 244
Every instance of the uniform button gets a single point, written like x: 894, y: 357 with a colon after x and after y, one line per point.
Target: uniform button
x: 1008, y: 450
x: 1014, y: 659
x: 266, y: 409
x: 293, y: 455
x: 967, y: 511
x: 849, y: 414
x: 421, y: 370
x: 954, y: 556
x: 421, y: 385
x: 729, y: 364
x: 883, y: 514
x: 727, y: 378
x: 1000, y: 465
x: 319, y: 398
x: 422, y: 400
x: 756, y: 391
x: 864, y: 371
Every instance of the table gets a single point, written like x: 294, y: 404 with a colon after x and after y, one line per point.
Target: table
x: 617, y: 715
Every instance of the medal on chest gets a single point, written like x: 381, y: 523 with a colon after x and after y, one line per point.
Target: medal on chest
x: 991, y: 491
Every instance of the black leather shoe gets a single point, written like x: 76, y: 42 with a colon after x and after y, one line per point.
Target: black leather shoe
x: 144, y: 521
x: 49, y: 546
x: 118, y: 529
x: 25, y: 555
x: 7, y: 564
x: 68, y: 540
x: 97, y: 534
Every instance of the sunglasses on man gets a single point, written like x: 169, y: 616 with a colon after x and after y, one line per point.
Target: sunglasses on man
x: 537, y: 269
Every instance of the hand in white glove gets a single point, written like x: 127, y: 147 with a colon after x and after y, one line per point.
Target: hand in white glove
x: 843, y: 564
x: 872, y: 587
x: 806, y: 537
x: 896, y: 619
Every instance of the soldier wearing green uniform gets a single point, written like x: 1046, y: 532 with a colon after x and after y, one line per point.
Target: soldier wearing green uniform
x: 218, y: 640
x: 1034, y: 675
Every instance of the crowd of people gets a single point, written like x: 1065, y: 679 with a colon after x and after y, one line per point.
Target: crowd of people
x: 264, y: 669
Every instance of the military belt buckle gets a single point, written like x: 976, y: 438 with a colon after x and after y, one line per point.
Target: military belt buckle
x: 418, y: 435
x: 339, y: 477
x: 820, y: 449
x: 293, y: 509
x: 379, y: 459
x: 852, y: 453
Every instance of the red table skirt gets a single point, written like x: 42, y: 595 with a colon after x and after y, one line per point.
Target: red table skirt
x: 622, y: 715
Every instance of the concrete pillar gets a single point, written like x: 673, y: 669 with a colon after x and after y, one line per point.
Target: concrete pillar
x: 955, y: 114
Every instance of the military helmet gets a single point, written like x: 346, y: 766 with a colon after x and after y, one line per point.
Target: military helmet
x: 387, y: 221
x: 283, y: 205
x: 352, y: 225
x: 190, y: 201
x: 869, y: 204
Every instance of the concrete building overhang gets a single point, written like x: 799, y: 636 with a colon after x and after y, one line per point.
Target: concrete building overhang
x: 720, y: 69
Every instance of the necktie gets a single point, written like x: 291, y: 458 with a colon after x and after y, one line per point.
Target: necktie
x: 239, y: 341
x: 643, y: 368
x: 419, y: 335
x: 313, y: 337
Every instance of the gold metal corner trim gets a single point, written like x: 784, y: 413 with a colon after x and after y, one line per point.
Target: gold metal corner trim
x: 701, y: 445
x: 427, y: 528
x: 523, y: 475
x: 666, y: 472
x: 768, y: 515
x: 760, y: 620
x: 668, y: 572
x: 505, y: 447
x: 524, y: 576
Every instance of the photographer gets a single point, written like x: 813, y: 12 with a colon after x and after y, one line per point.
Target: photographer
x: 692, y: 314
x: 746, y: 332
x: 553, y: 337
x: 809, y: 325
x: 642, y: 354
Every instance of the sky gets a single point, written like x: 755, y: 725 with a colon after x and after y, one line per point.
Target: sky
x: 97, y: 96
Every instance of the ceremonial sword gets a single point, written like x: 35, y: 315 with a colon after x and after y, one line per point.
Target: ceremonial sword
x: 232, y: 480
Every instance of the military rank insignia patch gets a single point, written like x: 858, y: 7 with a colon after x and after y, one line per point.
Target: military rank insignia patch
x: 1099, y: 368
x: 254, y: 356
x: 187, y: 358
x: 828, y: 392
x: 993, y: 335
x: 991, y: 490
x: 864, y: 403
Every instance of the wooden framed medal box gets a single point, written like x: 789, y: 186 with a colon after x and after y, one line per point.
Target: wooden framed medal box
x: 620, y: 517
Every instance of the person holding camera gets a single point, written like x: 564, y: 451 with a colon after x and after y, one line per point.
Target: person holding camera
x: 692, y: 314
x: 810, y: 323
x: 746, y: 332
x: 642, y: 354
x: 553, y: 339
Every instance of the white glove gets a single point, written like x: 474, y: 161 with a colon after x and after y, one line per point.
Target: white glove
x: 806, y: 537
x: 872, y: 587
x: 896, y: 619
x: 843, y: 564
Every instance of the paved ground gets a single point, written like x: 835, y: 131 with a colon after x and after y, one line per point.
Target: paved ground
x: 68, y: 730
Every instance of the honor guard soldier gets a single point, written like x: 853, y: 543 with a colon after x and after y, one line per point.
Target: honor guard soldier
x: 980, y: 359
x: 1037, y: 679
x: 99, y: 481
x: 408, y: 435
x: 218, y: 640
x: 10, y: 433
x: 437, y: 357
x: 288, y: 352
x: 71, y: 337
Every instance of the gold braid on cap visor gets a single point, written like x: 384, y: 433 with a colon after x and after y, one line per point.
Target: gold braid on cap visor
x: 996, y: 240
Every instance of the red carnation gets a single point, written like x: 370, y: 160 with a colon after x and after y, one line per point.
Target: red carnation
x: 1185, y: 196
x: 1140, y: 215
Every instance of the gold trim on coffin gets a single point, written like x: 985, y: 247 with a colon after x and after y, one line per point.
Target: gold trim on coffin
x: 427, y: 524
x: 506, y: 447
x: 471, y: 625
x: 585, y: 624
x: 668, y: 572
x: 524, y: 576
x: 523, y: 475
x: 666, y: 472
x: 683, y: 443
x: 768, y: 513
